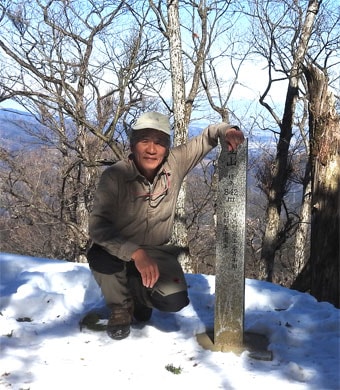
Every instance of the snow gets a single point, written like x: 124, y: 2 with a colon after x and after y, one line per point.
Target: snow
x: 42, y: 346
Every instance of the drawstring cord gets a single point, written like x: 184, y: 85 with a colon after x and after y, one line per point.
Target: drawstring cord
x: 152, y: 196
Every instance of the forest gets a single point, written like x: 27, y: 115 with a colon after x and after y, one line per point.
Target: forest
x: 83, y: 70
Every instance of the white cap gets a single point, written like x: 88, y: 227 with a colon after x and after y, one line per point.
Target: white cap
x: 153, y: 120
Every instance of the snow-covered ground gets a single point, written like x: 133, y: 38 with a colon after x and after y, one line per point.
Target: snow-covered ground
x: 42, y: 347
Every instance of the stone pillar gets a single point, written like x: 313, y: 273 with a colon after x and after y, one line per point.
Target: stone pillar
x: 230, y: 247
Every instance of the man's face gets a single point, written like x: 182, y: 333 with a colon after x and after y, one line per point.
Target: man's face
x: 149, y: 151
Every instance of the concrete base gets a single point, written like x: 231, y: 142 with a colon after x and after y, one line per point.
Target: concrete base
x: 255, y: 344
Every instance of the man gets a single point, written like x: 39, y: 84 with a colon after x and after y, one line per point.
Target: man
x: 131, y: 223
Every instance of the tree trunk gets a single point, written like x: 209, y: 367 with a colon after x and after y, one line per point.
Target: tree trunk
x: 303, y: 230
x: 321, y: 274
x: 180, y: 234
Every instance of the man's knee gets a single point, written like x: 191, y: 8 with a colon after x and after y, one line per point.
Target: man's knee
x: 170, y: 303
x: 101, y: 261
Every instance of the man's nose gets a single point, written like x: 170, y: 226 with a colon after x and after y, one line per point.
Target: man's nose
x: 151, y: 147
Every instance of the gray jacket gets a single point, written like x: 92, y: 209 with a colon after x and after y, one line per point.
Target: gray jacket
x: 130, y: 213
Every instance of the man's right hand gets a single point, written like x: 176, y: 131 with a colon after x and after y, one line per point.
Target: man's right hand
x: 146, y: 266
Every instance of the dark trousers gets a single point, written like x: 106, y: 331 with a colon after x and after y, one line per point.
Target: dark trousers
x: 121, y: 283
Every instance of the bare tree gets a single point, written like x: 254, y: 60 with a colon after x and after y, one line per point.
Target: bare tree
x: 32, y: 223
x: 321, y: 274
x: 181, y: 122
x: 191, y: 34
x: 63, y: 67
x: 200, y: 207
x: 277, y: 48
x: 303, y: 177
x: 60, y: 63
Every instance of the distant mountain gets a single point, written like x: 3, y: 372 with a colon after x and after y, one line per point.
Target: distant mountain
x: 19, y: 129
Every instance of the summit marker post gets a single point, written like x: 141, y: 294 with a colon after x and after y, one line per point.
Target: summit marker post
x: 230, y: 247
x: 228, y: 333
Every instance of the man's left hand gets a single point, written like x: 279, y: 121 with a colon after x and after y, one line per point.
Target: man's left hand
x: 233, y: 138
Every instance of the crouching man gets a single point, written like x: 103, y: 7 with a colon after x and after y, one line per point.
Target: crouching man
x: 132, y: 219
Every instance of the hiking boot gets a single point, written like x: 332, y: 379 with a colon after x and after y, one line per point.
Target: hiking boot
x: 118, y: 325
